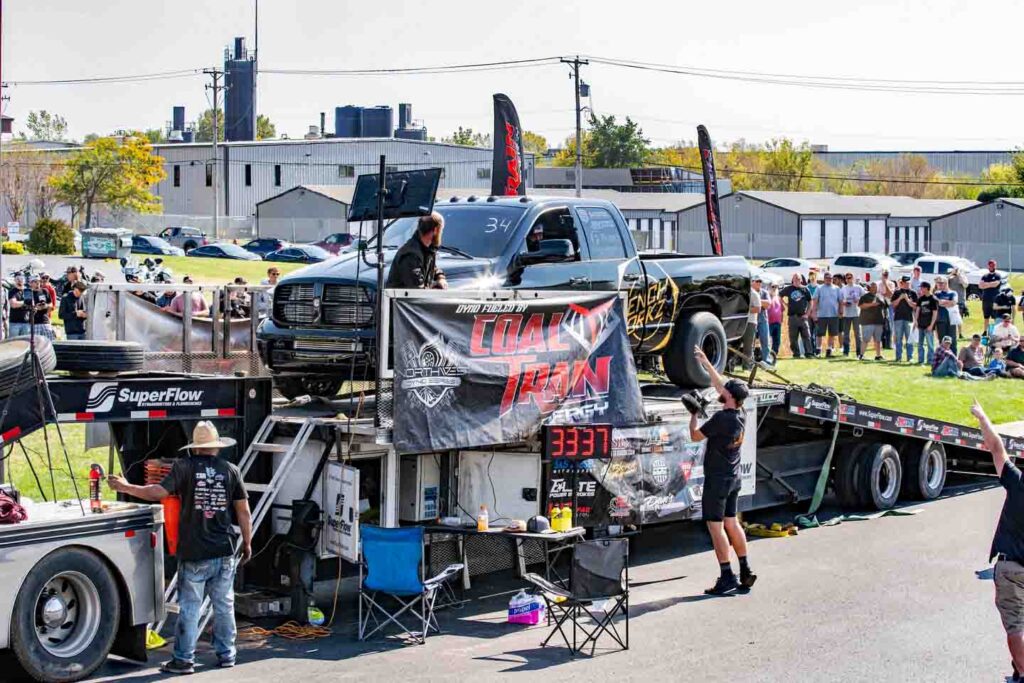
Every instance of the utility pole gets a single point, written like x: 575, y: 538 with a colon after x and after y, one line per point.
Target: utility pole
x: 575, y: 63
x: 216, y: 87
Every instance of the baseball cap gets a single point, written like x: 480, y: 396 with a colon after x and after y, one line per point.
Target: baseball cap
x: 991, y: 262
x: 737, y: 389
x: 905, y: 278
x: 33, y: 278
x: 538, y: 524
x: 756, y: 278
x: 1006, y: 316
x: 947, y: 340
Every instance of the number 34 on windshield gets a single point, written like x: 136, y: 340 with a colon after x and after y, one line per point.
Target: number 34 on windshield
x: 494, y: 224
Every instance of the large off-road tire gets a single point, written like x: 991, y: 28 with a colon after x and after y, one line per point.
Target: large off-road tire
x: 881, y: 475
x: 99, y: 356
x: 189, y: 246
x: 701, y: 329
x: 12, y: 356
x: 66, y: 616
x: 846, y: 478
x: 924, y: 469
x: 293, y: 387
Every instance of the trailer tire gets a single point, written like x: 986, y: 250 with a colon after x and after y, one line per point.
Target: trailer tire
x: 881, y: 475
x: 847, y: 476
x: 99, y: 356
x: 293, y: 387
x: 924, y: 470
x: 701, y: 329
x: 12, y: 354
x: 65, y: 617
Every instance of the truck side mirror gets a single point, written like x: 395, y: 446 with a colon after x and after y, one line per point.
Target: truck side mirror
x: 548, y: 251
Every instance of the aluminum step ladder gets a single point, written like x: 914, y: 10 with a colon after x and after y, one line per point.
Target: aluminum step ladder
x: 261, y: 445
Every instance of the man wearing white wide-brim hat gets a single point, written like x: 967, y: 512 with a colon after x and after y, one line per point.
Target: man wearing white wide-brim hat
x: 210, y: 488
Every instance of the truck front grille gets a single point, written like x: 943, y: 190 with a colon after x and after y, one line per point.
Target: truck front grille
x: 293, y: 304
x: 346, y: 306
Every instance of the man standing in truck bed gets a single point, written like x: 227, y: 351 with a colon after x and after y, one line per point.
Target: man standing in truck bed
x: 415, y: 264
x: 724, y: 433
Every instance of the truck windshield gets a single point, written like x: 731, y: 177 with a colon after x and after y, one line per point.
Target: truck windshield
x: 482, y: 231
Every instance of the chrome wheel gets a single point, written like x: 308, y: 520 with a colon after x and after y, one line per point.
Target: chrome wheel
x: 67, y: 614
x: 934, y: 474
x: 888, y: 478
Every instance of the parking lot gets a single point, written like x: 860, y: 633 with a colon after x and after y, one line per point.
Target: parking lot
x: 892, y: 599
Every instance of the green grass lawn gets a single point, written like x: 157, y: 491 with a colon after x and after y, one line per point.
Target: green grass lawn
x: 911, y: 388
x: 17, y: 468
x: 219, y: 271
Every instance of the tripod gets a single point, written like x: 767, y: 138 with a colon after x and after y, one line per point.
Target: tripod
x: 31, y: 368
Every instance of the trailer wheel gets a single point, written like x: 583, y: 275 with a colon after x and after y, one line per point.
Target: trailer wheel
x: 847, y: 476
x: 881, y: 474
x: 701, y: 329
x: 66, y: 616
x: 924, y: 470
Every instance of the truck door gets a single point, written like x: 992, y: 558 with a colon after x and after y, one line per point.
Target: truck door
x: 568, y: 275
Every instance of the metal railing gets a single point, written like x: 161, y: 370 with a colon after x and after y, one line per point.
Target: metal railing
x: 210, y: 342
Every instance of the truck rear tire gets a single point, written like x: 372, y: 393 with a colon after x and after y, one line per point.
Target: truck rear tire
x: 924, y: 469
x: 99, y: 356
x: 66, y: 616
x: 881, y: 476
x: 701, y: 329
x: 293, y: 387
x: 847, y: 476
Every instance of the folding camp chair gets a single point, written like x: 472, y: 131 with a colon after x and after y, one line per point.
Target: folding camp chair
x: 599, y: 574
x: 393, y: 560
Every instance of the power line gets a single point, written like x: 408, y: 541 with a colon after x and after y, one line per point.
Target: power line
x: 395, y: 71
x: 158, y: 76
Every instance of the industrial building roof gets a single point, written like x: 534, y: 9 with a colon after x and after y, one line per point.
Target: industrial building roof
x: 594, y: 177
x: 830, y: 203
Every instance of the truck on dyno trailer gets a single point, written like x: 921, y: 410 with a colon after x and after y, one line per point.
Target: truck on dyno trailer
x: 322, y: 329
x: 78, y: 587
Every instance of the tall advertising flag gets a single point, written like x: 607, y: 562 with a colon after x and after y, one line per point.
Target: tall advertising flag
x: 707, y: 162
x: 508, y: 171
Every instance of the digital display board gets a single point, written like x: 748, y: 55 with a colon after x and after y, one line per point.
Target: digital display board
x: 578, y: 441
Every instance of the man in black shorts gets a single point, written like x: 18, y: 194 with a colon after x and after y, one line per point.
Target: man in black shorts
x: 724, y: 433
x: 990, y: 284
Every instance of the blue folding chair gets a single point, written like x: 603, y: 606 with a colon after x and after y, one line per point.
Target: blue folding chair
x: 394, y: 560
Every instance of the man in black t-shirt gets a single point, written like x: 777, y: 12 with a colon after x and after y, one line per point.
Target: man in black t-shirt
x: 210, y: 489
x: 904, y: 302
x: 1008, y: 542
x: 798, y: 308
x: 18, y: 318
x: 724, y: 434
x: 925, y: 317
x: 990, y: 284
x: 1015, y: 360
x: 872, y: 318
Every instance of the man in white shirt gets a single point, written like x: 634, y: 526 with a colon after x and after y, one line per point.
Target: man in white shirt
x: 849, y: 314
x: 1004, y: 335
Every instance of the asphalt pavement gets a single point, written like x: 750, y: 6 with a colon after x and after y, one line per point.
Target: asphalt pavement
x: 891, y: 599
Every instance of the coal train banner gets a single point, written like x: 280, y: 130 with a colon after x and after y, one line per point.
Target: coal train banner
x: 471, y: 373
x: 870, y: 417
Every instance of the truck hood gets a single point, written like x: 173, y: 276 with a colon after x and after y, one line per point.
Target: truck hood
x: 349, y: 267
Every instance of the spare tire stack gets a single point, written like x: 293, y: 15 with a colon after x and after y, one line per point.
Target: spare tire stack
x: 12, y: 355
x: 98, y: 356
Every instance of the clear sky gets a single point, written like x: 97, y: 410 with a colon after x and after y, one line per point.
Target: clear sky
x: 891, y: 39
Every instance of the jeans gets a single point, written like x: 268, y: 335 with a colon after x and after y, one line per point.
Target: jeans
x: 846, y: 325
x: 762, y: 335
x: 796, y: 326
x: 19, y: 330
x: 75, y: 335
x: 748, y: 343
x: 195, y: 579
x: 947, y: 368
x: 926, y: 338
x: 946, y: 330
x: 977, y: 372
x: 775, y: 331
x: 900, y: 336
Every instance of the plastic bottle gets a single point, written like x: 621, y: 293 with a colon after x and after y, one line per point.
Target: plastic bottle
x: 566, y: 518
x: 482, y: 519
x: 555, y: 514
x: 95, y: 476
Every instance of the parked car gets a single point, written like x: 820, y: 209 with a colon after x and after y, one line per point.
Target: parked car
x: 185, y: 236
x: 151, y: 244
x: 865, y: 265
x: 336, y: 242
x: 302, y: 253
x: 323, y: 321
x: 907, y: 258
x: 768, y: 277
x: 223, y: 250
x: 265, y: 245
x: 941, y: 265
x: 786, y: 268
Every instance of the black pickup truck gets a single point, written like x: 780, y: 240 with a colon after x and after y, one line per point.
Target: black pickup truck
x: 322, y: 328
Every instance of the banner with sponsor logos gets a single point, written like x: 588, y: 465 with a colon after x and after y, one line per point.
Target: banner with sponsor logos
x: 508, y: 173
x: 871, y: 417
x: 714, y: 215
x: 472, y: 373
x: 655, y: 474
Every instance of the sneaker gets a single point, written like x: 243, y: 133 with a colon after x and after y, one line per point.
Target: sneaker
x: 177, y: 666
x: 225, y: 663
x: 860, y: 356
x: 879, y: 358
x: 747, y: 579
x: 723, y: 585
x: 828, y: 353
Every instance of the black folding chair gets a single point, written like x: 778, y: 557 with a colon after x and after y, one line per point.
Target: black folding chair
x: 599, y: 574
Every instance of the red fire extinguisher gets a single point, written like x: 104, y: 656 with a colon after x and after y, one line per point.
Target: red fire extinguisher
x: 95, y: 476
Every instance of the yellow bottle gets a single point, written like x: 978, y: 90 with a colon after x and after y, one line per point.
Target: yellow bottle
x: 482, y: 519
x: 566, y: 518
x: 554, y: 516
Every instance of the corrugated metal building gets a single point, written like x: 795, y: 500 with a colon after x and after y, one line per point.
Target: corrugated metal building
x: 814, y: 224
x: 993, y: 230
x: 254, y: 171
